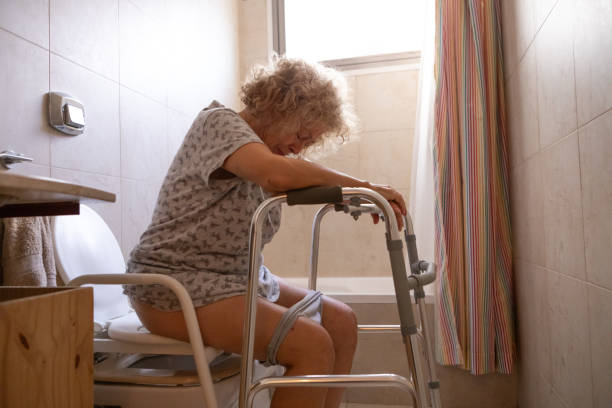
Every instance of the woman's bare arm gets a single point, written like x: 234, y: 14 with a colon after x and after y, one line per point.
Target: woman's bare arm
x: 256, y: 163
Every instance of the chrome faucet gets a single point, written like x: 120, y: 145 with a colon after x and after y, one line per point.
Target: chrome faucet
x: 9, y: 157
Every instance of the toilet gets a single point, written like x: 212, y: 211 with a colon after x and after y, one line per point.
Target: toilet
x: 132, y: 367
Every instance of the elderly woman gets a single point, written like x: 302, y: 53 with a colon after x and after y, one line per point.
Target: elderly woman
x: 227, y: 165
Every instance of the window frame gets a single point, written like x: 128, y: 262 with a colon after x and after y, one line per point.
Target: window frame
x: 342, y: 64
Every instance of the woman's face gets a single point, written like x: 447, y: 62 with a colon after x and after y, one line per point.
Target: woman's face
x: 292, y: 142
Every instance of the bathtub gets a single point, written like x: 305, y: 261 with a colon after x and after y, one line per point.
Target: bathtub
x: 358, y: 289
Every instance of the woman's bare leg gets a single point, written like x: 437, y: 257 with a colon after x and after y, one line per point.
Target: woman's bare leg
x: 340, y: 322
x: 307, y: 349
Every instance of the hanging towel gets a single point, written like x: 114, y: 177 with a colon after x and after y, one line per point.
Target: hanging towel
x: 27, y: 252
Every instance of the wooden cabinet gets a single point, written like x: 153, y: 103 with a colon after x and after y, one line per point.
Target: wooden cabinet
x: 46, y: 347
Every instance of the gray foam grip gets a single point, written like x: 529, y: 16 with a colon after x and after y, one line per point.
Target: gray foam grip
x: 315, y: 195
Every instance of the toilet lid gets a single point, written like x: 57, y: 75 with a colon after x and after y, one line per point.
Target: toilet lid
x: 84, y: 244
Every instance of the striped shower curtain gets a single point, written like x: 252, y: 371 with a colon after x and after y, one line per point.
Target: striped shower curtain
x: 475, y: 321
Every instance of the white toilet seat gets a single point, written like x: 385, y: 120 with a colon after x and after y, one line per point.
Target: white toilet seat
x: 129, y: 328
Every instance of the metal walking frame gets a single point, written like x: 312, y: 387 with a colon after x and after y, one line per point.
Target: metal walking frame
x: 354, y: 201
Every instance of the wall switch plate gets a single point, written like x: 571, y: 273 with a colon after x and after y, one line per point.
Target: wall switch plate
x: 66, y: 114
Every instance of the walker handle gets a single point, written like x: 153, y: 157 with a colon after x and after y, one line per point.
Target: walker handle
x: 315, y: 195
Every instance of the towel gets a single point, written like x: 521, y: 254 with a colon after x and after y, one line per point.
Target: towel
x: 27, y: 252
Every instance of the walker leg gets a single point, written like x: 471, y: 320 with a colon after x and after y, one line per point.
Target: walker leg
x: 414, y: 365
x: 433, y: 384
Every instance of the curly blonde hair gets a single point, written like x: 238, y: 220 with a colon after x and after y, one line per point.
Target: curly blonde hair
x: 293, y: 93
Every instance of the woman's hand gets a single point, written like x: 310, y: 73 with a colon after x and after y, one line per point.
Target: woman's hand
x: 395, y: 199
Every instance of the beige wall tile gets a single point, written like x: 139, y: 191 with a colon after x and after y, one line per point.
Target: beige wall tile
x: 550, y: 398
x: 595, y: 149
x: 537, y: 392
x: 386, y: 157
x: 343, y: 246
x: 87, y: 32
x: 567, y: 222
x: 254, y: 45
x: 27, y: 18
x: 110, y: 212
x: 525, y: 25
x: 460, y: 389
x: 600, y: 306
x: 527, y: 211
x: 380, y: 353
x: 592, y: 42
x: 254, y: 34
x: 563, y: 226
x: 351, y: 88
x: 142, y: 52
x: 143, y: 137
x: 376, y: 313
x: 156, y: 9
x: 386, y: 101
x: 373, y: 248
x: 345, y: 159
x: 182, y: 30
x: 528, y: 383
x: 193, y: 79
x: 138, y: 200
x: 252, y: 16
x: 542, y: 316
x: 533, y: 318
x: 288, y: 254
x: 30, y: 169
x: 178, y: 126
x: 542, y: 9
x: 569, y: 340
x: 521, y: 19
x: 555, y: 73
x: 222, y: 77
x: 97, y: 149
x: 524, y: 127
x: 24, y: 83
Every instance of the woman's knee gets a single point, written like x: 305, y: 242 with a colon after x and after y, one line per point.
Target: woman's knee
x: 308, y: 348
x: 341, y: 322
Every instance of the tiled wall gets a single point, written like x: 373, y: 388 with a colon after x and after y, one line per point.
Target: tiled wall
x: 142, y: 68
x: 559, y: 87
x: 385, y: 104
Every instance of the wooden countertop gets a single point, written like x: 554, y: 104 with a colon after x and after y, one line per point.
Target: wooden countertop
x: 24, y: 196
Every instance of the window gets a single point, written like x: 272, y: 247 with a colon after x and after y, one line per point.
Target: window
x: 349, y: 34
